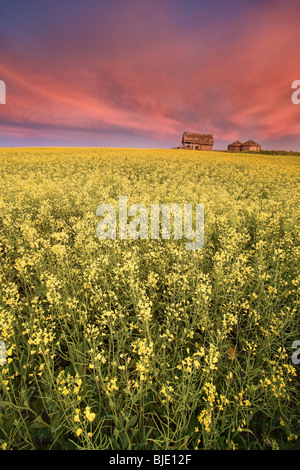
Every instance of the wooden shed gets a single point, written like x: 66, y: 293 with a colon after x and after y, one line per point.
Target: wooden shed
x: 250, y: 146
x: 235, y: 146
x: 195, y: 141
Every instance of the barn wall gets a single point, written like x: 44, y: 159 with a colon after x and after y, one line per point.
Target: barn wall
x: 205, y: 147
x: 251, y: 148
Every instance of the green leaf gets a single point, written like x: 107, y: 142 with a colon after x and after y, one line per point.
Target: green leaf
x: 131, y: 422
x: 39, y: 423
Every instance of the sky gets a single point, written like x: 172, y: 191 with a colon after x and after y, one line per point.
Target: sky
x: 138, y: 73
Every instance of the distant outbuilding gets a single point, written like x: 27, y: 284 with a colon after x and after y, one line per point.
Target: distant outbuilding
x: 235, y: 146
x: 249, y: 146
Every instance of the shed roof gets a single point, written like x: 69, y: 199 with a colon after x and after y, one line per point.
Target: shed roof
x: 250, y: 142
x: 237, y: 142
x: 194, y: 138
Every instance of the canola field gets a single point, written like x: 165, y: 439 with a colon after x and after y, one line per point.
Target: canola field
x: 142, y: 344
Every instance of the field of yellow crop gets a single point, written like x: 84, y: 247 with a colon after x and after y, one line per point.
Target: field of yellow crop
x: 142, y: 344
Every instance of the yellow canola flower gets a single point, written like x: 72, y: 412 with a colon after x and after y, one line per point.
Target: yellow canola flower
x: 89, y: 416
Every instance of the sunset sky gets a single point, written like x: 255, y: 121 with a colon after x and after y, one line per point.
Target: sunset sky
x: 137, y: 73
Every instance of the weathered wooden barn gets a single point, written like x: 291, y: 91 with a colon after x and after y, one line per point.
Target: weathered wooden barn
x: 195, y: 141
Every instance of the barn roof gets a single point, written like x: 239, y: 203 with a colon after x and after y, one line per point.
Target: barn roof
x: 194, y: 138
x: 250, y: 142
x: 237, y: 142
